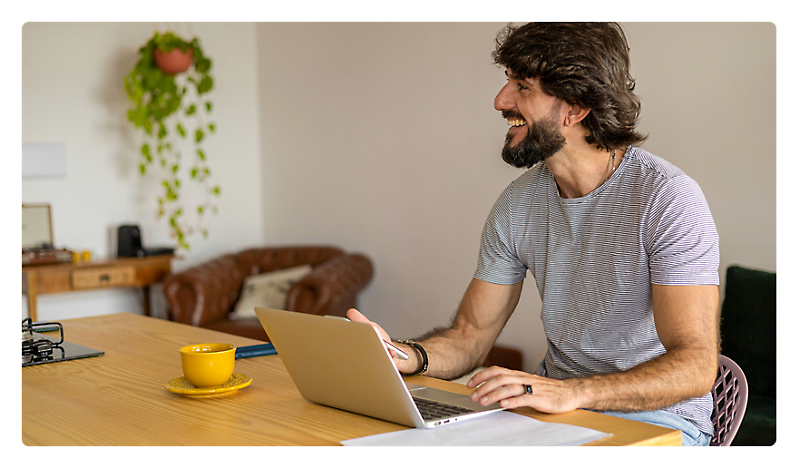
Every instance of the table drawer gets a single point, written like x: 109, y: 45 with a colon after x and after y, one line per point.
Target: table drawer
x: 90, y: 278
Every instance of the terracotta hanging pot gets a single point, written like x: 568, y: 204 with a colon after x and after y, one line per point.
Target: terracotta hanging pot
x: 174, y: 61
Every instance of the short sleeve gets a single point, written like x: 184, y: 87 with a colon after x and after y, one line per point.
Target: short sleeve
x: 682, y: 241
x: 498, y: 262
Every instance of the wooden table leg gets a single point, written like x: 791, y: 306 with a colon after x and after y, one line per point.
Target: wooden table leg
x: 145, y: 292
x: 30, y: 288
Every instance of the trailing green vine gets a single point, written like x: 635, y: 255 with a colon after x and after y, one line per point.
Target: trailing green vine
x: 161, y: 102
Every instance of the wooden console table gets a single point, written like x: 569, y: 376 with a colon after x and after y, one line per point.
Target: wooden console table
x: 85, y: 276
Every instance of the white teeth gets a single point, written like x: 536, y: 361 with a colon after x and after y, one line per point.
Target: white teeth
x: 516, y: 122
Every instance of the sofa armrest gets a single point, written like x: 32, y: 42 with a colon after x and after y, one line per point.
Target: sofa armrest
x: 204, y: 293
x: 330, y: 289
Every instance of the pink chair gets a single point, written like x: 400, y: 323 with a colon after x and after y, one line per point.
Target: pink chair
x: 730, y: 393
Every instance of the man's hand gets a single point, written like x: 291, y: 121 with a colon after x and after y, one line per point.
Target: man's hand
x: 508, y: 388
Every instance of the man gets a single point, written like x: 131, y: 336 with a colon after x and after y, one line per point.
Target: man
x: 620, y: 242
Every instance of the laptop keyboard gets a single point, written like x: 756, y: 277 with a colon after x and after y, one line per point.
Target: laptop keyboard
x: 432, y: 410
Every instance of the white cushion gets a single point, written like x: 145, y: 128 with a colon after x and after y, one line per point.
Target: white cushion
x: 267, y: 290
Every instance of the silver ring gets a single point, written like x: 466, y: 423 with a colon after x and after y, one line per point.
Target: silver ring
x: 528, y: 389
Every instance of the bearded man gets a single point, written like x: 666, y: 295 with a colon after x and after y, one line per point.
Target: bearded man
x: 620, y: 242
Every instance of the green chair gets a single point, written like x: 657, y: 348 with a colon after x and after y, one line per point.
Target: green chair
x: 748, y: 337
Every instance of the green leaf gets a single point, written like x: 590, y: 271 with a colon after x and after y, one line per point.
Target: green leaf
x: 208, y: 106
x: 198, y: 135
x: 145, y: 151
x: 206, y: 84
x: 193, y: 172
x: 191, y: 110
x: 142, y: 169
x: 212, y: 127
x: 217, y: 191
x: 181, y: 130
x: 201, y: 154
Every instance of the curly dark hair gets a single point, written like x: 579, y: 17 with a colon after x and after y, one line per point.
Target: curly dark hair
x: 584, y: 64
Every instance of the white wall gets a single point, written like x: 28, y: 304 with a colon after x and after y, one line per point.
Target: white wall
x: 73, y: 94
x: 382, y: 138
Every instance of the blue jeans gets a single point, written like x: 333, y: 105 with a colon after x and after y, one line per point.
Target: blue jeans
x: 691, y: 436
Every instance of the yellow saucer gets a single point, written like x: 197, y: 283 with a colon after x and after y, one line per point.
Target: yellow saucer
x: 182, y: 386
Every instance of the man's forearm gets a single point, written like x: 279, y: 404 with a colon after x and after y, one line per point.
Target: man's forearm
x: 449, y: 354
x: 673, y: 377
x: 666, y: 380
x: 456, y: 350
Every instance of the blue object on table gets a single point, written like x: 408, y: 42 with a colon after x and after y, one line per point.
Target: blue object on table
x: 243, y: 352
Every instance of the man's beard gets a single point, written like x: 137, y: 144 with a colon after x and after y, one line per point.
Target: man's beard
x: 541, y: 142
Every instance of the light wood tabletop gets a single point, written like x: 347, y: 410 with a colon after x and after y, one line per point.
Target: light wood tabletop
x: 119, y: 398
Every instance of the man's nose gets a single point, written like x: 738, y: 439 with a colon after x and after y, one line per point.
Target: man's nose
x: 503, y: 100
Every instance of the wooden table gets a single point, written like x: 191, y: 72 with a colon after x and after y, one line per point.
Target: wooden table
x: 85, y: 276
x: 119, y: 398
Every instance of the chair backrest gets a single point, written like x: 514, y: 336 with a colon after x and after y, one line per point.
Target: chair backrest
x: 730, y: 394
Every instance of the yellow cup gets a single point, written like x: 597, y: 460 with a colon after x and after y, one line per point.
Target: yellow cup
x: 208, y: 364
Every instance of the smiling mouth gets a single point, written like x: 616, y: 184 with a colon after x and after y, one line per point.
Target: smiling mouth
x: 516, y: 122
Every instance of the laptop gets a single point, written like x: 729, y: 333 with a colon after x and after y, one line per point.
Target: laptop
x: 345, y: 365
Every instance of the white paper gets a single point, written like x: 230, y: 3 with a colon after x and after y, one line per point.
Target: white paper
x: 501, y: 428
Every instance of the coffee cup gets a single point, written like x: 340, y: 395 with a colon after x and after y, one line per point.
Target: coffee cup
x: 207, y: 364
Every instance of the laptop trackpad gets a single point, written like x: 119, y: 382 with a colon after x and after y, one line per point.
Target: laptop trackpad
x: 445, y: 397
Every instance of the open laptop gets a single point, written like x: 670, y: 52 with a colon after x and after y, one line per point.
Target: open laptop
x: 345, y: 365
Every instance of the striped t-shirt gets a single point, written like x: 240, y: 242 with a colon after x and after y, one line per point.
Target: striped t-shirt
x: 595, y: 259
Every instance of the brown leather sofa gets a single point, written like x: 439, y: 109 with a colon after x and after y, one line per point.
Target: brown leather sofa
x: 205, y: 295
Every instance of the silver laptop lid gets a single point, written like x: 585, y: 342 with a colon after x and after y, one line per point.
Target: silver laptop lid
x: 341, y: 364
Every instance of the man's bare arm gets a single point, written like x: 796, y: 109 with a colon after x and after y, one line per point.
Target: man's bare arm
x: 687, y: 326
x: 456, y: 350
x: 482, y: 314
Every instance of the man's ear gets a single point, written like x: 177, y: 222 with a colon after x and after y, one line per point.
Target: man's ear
x: 576, y: 115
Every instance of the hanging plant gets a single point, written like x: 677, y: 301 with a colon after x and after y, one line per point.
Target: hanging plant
x: 168, y: 88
